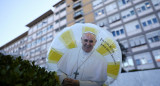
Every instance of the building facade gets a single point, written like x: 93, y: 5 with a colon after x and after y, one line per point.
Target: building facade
x: 135, y: 23
x: 16, y: 46
x: 40, y: 36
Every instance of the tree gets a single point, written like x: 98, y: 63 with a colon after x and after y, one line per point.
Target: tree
x: 124, y: 51
x: 18, y: 72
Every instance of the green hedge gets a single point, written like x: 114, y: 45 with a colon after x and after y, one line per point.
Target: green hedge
x: 18, y: 72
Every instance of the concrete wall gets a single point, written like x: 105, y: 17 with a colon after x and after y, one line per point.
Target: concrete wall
x: 140, y: 78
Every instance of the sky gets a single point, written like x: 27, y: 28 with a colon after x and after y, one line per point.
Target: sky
x: 16, y: 14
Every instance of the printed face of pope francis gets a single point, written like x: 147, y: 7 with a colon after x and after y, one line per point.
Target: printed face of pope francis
x: 88, y: 41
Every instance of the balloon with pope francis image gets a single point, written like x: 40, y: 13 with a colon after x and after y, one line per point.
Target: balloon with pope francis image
x: 84, y: 55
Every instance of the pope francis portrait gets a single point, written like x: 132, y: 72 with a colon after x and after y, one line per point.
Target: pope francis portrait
x: 83, y: 66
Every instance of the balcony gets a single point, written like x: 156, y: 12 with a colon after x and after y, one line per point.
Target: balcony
x: 78, y: 14
x: 74, y: 0
x: 77, y: 5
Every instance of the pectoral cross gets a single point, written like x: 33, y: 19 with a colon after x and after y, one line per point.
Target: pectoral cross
x: 76, y: 73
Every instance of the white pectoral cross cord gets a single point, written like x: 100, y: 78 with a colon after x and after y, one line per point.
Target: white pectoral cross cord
x: 78, y: 66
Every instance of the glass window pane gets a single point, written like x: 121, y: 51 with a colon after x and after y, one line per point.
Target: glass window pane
x: 154, y: 20
x: 150, y: 40
x: 122, y: 31
x: 149, y: 22
x: 117, y: 32
x: 138, y: 62
x: 147, y: 5
x: 137, y: 27
x: 113, y: 32
x: 143, y: 8
x: 156, y: 38
x: 144, y: 24
x: 132, y: 12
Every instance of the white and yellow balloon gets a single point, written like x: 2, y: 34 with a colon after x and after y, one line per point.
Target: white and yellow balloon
x: 70, y: 37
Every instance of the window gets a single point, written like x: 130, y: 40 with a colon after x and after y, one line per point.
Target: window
x: 154, y: 20
x: 149, y: 20
x: 77, y: 5
x: 154, y: 39
x: 43, y: 47
x: 123, y: 2
x: 124, y: 43
x: 34, y: 43
x: 143, y: 58
x: 38, y: 40
x: 113, y: 32
x: 49, y: 27
x: 114, y: 18
x: 156, y: 54
x: 99, y: 12
x: 44, y: 22
x: 78, y: 14
x: 137, y: 26
x: 96, y: 2
x: 156, y: 3
x: 57, y: 13
x: 111, y: 7
x: 137, y: 41
x: 39, y: 25
x: 62, y: 27
x: 39, y: 33
x: 127, y: 13
x: 30, y: 31
x: 132, y: 27
x: 147, y: 4
x: 34, y: 28
x: 143, y: 7
x: 44, y: 30
x: 50, y: 36
x: 144, y: 24
x: 62, y: 10
x: 159, y: 14
x: 29, y: 45
x: 138, y: 61
x: 80, y: 21
x: 153, y: 36
x: 61, y: 19
x: 57, y: 21
x: 50, y: 19
x: 129, y: 62
x: 57, y: 29
x: 102, y: 23
x: 122, y: 31
x: 43, y: 38
x: 60, y: 4
x: 118, y: 31
x: 132, y: 12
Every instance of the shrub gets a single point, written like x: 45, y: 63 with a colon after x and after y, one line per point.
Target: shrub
x: 18, y: 72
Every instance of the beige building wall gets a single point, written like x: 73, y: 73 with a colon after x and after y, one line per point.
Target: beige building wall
x: 85, y: 1
x: 69, y: 6
x: 87, y: 8
x: 89, y: 18
x: 70, y: 17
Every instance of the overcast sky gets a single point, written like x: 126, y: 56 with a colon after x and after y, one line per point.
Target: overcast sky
x: 16, y: 14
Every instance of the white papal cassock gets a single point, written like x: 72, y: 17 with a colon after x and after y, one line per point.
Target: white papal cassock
x: 92, y: 67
